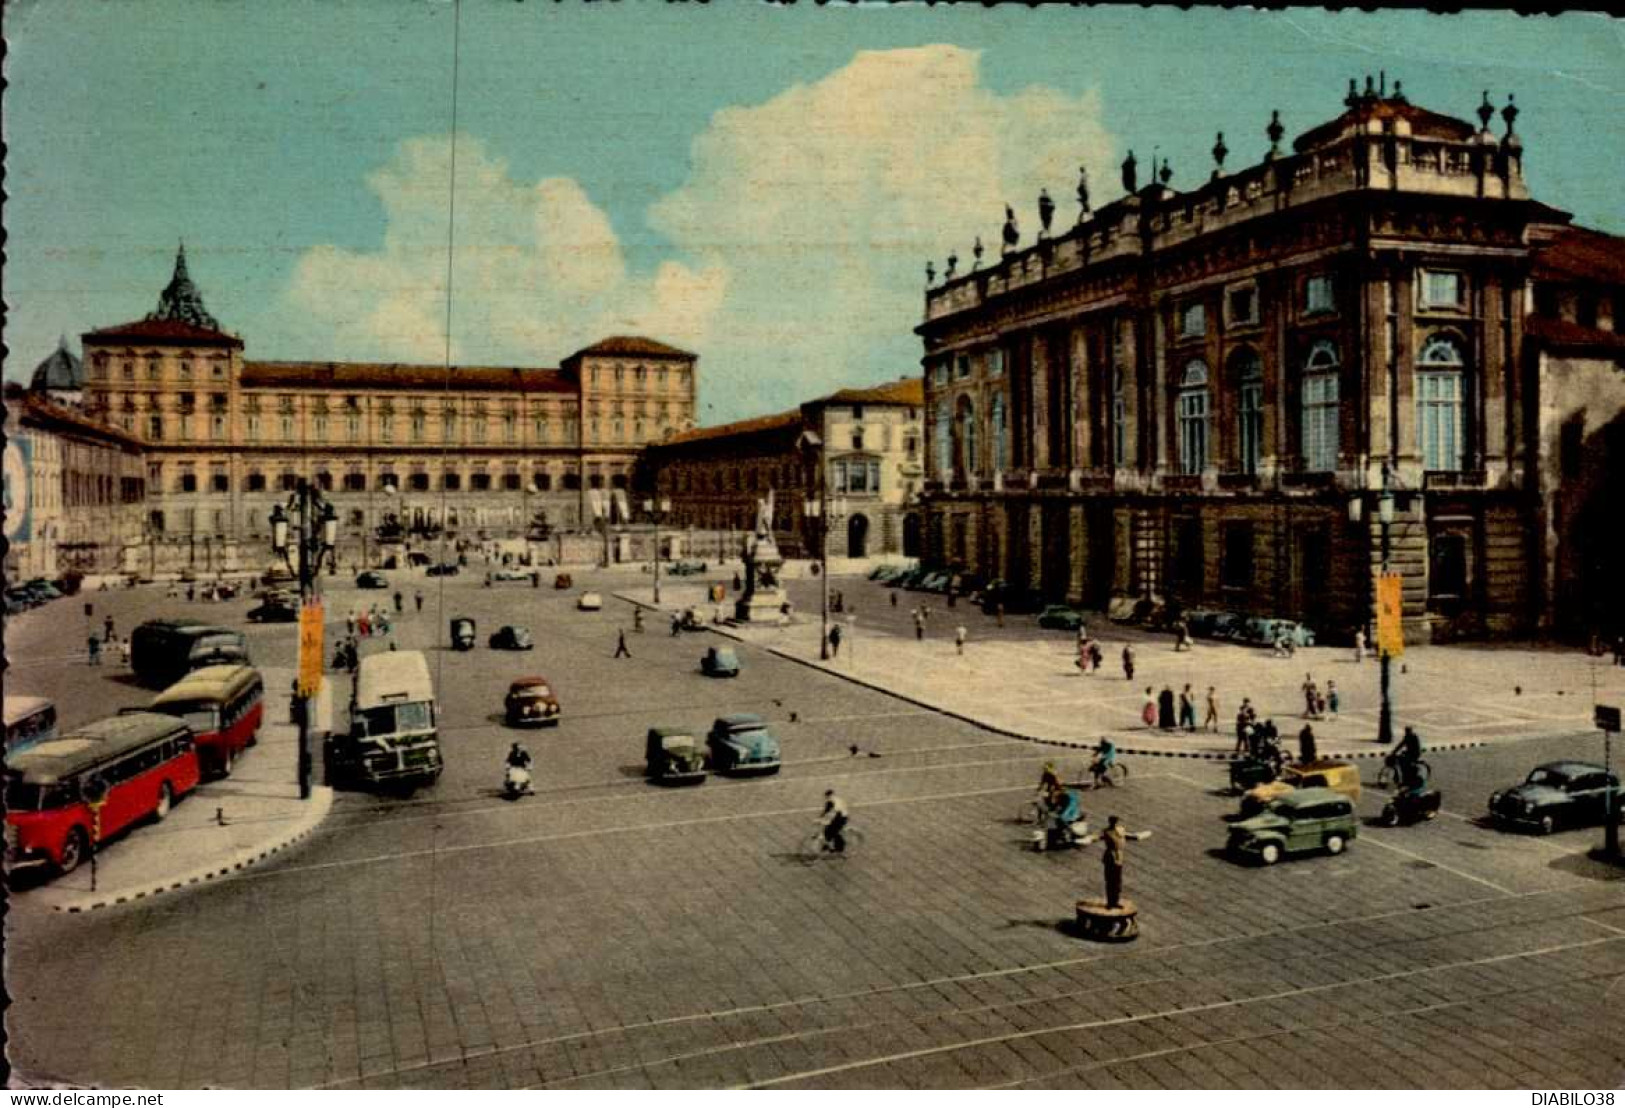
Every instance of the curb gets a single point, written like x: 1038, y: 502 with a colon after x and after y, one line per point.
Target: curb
x: 321, y: 803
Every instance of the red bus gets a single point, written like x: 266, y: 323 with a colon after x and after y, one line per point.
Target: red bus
x: 223, y: 705
x: 64, y: 795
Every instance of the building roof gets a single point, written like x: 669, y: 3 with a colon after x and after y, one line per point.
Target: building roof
x: 632, y: 346
x: 1581, y: 254
x: 60, y: 370
x: 907, y: 391
x: 756, y: 426
x: 163, y: 332
x: 1365, y: 109
x: 1560, y: 335
x: 395, y: 375
x: 181, y: 299
x: 37, y: 411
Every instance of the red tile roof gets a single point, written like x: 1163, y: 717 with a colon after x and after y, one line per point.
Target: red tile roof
x: 394, y: 375
x: 42, y: 413
x: 171, y: 332
x: 759, y: 425
x: 631, y: 346
x: 1581, y: 254
x: 909, y: 391
x: 1561, y: 335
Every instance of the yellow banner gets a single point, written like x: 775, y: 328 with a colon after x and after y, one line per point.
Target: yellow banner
x: 310, y: 648
x: 1390, y: 606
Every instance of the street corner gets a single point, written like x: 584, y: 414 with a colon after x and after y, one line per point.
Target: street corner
x: 213, y: 836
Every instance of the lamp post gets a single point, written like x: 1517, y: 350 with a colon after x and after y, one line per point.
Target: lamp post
x: 819, y: 509
x: 657, y: 510
x: 1385, y: 521
x: 316, y: 538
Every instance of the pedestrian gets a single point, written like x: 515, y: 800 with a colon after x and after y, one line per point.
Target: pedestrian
x: 1096, y: 657
x: 894, y: 598
x: 998, y: 612
x: 1311, y: 695
x: 620, y: 645
x: 676, y: 625
x: 107, y: 630
x: 191, y: 592
x: 94, y: 646
x: 1331, y: 697
x: 835, y: 641
x: 959, y: 639
x: 1128, y: 663
x: 124, y: 651
x: 1166, y: 719
x: 953, y: 595
x: 737, y: 583
x: 1083, y: 640
x: 1619, y: 650
x: 1244, y: 725
x: 364, y: 625
x: 919, y: 625
x: 1359, y: 645
x: 1306, y: 745
x: 349, y: 623
x: 1210, y: 722
x: 418, y: 597
x: 1187, y: 709
x: 1083, y: 656
x: 399, y: 602
x: 1148, y: 711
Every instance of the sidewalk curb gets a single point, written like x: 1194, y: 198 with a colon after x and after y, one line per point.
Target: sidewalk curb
x: 1141, y: 752
x: 317, y: 809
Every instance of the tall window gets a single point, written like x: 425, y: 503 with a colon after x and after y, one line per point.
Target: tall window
x: 1119, y: 418
x: 965, y: 432
x: 944, y: 442
x: 1320, y: 408
x: 996, y: 431
x: 1193, y: 418
x: 1440, y: 431
x: 1317, y: 295
x: 1248, y: 373
x: 1443, y: 289
x: 1192, y: 321
x: 995, y: 362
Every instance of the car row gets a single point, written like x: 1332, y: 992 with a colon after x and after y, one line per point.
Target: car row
x: 740, y: 744
x: 30, y: 594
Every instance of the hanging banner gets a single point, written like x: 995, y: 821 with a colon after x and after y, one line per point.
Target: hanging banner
x: 1390, y: 606
x: 310, y: 648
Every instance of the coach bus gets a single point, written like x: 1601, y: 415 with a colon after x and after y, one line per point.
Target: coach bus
x: 29, y: 720
x: 223, y: 705
x: 66, y: 795
x: 393, y: 736
x: 162, y: 651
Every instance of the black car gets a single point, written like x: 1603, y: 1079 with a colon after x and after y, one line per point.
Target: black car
x: 371, y: 579
x: 274, y: 610
x: 1016, y: 601
x: 445, y: 569
x: 1571, y: 794
x: 512, y: 638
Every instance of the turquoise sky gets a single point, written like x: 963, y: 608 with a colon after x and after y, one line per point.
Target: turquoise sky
x: 735, y: 177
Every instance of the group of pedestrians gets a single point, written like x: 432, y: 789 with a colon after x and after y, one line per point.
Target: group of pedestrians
x: 107, y: 643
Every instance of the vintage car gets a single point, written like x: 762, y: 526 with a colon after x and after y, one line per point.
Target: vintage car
x: 275, y: 609
x: 462, y: 633
x: 673, y: 756
x: 563, y: 581
x: 685, y: 568
x: 741, y: 743
x: 511, y: 573
x: 1301, y: 821
x: 531, y: 703
x: 371, y: 579
x: 590, y: 602
x: 444, y: 569
x: 1342, y: 777
x: 1015, y: 601
x: 511, y: 637
x: 1059, y: 617
x: 720, y: 661
x: 1558, y: 794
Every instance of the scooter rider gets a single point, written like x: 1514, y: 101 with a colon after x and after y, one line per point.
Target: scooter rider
x: 516, y: 780
x: 518, y: 757
x: 834, y: 818
x: 1066, y: 808
x: 1406, y: 757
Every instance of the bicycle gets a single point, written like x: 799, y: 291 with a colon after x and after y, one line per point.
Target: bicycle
x: 1388, y: 775
x: 814, y: 847
x: 1117, y: 770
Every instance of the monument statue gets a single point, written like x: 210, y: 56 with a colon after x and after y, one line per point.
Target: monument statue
x: 763, y: 599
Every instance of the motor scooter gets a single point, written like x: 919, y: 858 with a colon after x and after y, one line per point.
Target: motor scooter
x: 516, y: 782
x: 1411, y: 805
x: 1057, y: 831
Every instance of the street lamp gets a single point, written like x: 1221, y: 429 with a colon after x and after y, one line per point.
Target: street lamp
x: 1385, y: 521
x: 317, y: 535
x: 818, y: 509
x: 657, y: 509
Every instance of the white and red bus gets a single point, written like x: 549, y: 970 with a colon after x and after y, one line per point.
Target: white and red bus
x: 223, y: 705
x: 67, y: 794
x: 29, y: 720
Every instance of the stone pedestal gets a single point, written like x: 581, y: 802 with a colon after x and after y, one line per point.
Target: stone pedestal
x: 763, y: 599
x: 1104, y: 924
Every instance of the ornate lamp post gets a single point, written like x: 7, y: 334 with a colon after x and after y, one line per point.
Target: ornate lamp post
x: 657, y: 510
x: 1385, y: 520
x: 819, y: 510
x: 315, y: 539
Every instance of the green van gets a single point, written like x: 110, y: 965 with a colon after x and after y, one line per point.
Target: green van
x: 1300, y: 821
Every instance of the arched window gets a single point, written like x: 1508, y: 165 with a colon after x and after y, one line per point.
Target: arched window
x: 1247, y: 371
x: 1193, y: 408
x: 1320, y: 408
x: 1440, y: 427
x: 996, y: 431
x: 965, y: 438
x: 944, y: 442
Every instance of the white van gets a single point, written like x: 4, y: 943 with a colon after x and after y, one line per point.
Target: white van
x: 394, y: 734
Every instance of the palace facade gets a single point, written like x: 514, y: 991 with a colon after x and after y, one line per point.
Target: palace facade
x: 1199, y: 396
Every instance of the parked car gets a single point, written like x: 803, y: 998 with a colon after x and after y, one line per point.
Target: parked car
x: 1227, y: 626
x: 509, y: 573
x: 274, y: 609
x: 685, y: 568
x: 1060, y: 617
x: 742, y: 743
x: 531, y: 702
x: 1301, y: 821
x: 444, y: 569
x: 371, y: 579
x: 1015, y: 601
x: 934, y: 582
x: 590, y: 602
x: 511, y: 637
x: 563, y: 581
x: 720, y: 661
x: 892, y: 575
x: 1340, y: 777
x: 672, y: 756
x: 1201, y: 621
x: 1558, y: 794
x: 417, y: 558
x: 462, y: 633
x: 44, y: 589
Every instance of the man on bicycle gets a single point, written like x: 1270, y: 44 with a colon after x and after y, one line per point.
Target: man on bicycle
x: 834, y: 819
x: 1049, y: 780
x: 1105, y: 758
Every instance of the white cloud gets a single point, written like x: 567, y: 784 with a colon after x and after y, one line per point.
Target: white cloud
x: 799, y: 236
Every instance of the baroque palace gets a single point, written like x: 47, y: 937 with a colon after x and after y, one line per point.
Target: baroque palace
x: 476, y: 451
x: 1200, y: 396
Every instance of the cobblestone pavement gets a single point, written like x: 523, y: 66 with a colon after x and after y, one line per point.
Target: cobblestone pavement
x: 609, y: 934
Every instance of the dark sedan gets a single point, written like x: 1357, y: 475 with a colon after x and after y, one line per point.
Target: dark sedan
x: 274, y: 610
x: 1559, y: 794
x: 512, y: 638
x: 446, y: 569
x: 371, y: 579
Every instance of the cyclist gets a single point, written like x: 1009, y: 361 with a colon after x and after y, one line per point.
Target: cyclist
x: 1049, y: 780
x: 1105, y: 758
x: 834, y: 818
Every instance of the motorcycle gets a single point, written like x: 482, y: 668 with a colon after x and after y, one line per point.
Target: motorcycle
x: 516, y: 783
x: 1411, y: 806
x: 1061, y: 829
x: 1260, y: 769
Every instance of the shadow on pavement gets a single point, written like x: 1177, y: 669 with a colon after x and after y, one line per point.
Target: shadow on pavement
x: 1590, y: 865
